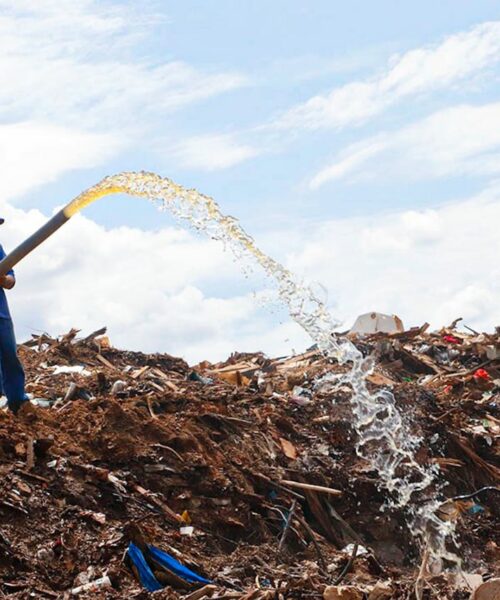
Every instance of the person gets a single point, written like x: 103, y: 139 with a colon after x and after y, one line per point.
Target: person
x: 11, y: 370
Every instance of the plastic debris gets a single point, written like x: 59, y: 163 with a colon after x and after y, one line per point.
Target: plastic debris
x: 92, y: 586
x: 377, y: 322
x: 170, y: 563
x: 161, y: 558
x: 67, y: 369
x: 482, y: 374
x: 144, y: 572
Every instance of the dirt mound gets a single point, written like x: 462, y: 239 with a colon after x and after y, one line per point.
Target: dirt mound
x: 210, y: 465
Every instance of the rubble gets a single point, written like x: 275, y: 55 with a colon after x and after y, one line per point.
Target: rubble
x: 244, y: 472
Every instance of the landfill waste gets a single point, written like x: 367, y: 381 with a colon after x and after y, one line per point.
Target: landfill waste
x: 377, y: 322
x: 278, y: 501
x: 92, y: 586
x: 150, y: 558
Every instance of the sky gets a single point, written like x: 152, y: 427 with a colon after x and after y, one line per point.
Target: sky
x: 357, y: 142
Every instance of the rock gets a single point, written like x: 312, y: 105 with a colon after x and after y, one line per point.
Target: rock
x: 489, y: 590
x: 382, y: 590
x: 342, y: 592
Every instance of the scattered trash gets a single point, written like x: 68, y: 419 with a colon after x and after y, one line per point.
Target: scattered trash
x: 146, y: 562
x: 170, y: 563
x: 117, y: 387
x: 288, y: 448
x: 194, y: 376
x: 42, y: 402
x: 65, y: 369
x: 247, y: 472
x: 142, y: 569
x: 361, y: 550
x: 340, y: 592
x: 93, y: 586
x: 493, y: 352
x: 482, y: 374
x: 377, y: 322
x: 382, y: 590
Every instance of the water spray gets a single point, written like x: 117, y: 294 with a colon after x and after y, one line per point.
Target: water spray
x: 384, y: 440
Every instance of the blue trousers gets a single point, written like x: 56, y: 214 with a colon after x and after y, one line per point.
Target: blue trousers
x: 12, y: 372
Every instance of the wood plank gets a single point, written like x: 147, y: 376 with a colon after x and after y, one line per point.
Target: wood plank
x: 106, y: 362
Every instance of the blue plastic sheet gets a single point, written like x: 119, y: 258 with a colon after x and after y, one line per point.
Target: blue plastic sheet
x: 170, y: 563
x: 146, y: 576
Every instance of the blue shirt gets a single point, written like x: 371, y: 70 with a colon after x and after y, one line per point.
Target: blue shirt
x: 4, y: 306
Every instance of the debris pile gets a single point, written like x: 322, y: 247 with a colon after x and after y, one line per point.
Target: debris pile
x: 130, y: 473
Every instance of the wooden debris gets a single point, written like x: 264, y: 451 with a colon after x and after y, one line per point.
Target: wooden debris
x: 106, y: 362
x: 234, y: 448
x: 311, y: 487
x: 288, y: 448
x: 30, y: 454
x: 206, y: 591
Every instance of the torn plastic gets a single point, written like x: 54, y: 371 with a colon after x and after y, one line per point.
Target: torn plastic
x: 146, y: 575
x: 170, y: 563
x: 144, y: 572
x: 377, y: 322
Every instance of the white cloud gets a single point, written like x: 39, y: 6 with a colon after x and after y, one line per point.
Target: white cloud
x: 60, y: 64
x: 80, y: 65
x: 34, y: 153
x: 349, y: 161
x: 212, y: 152
x: 457, y: 141
x: 431, y: 265
x: 421, y: 70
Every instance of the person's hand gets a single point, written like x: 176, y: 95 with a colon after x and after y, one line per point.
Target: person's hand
x: 7, y: 281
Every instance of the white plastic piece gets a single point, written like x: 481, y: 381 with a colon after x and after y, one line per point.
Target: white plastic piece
x: 188, y: 530
x: 375, y: 322
x: 361, y: 551
x: 79, y: 369
x: 93, y: 586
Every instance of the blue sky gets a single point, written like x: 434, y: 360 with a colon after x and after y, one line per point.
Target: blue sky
x: 349, y: 138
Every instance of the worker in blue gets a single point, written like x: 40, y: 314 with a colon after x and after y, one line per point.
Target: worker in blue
x: 11, y: 369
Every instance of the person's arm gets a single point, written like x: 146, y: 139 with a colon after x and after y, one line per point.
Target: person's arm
x: 7, y: 281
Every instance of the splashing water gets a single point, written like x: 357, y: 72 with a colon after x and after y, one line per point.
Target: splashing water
x: 384, y: 440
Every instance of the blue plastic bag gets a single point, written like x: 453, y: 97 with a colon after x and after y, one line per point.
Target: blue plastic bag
x: 146, y: 576
x: 170, y: 563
